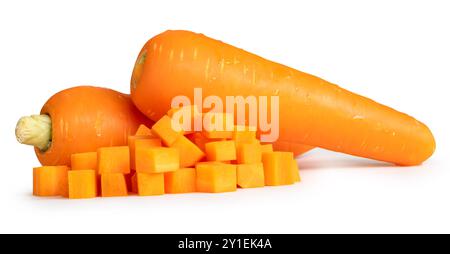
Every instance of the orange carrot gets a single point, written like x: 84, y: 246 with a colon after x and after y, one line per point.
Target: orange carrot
x: 180, y: 181
x: 81, y: 161
x: 82, y: 184
x: 77, y: 120
x: 115, y: 159
x: 312, y: 110
x: 113, y: 185
x: 50, y: 181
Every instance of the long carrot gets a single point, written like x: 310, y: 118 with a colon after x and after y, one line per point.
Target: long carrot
x: 312, y: 110
x: 80, y: 119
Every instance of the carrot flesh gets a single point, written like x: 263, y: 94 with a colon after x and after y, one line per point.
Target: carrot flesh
x: 50, y: 181
x: 82, y: 184
x: 325, y: 115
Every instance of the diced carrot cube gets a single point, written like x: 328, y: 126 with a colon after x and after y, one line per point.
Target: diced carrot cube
x: 82, y: 184
x: 218, y: 125
x: 83, y: 161
x: 220, y: 151
x: 250, y: 175
x: 157, y: 159
x: 50, y: 181
x: 164, y: 129
x: 134, y: 141
x: 215, y: 177
x: 249, y: 153
x: 278, y: 168
x: 114, y: 185
x: 186, y: 117
x: 267, y: 148
x: 143, y: 131
x: 295, y: 172
x: 150, y: 184
x: 244, y: 134
x: 189, y: 152
x: 180, y: 181
x: 114, y: 159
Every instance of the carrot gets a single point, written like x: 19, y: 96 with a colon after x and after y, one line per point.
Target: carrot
x: 113, y: 185
x: 149, y: 184
x: 215, y: 177
x: 220, y: 151
x: 115, y: 159
x: 250, y: 175
x: 180, y: 181
x: 50, y: 181
x: 80, y: 161
x: 312, y: 111
x: 77, y: 120
x: 82, y: 184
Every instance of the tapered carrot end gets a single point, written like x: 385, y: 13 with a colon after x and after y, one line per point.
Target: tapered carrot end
x: 424, y: 147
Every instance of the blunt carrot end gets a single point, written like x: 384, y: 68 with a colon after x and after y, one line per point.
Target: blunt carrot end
x: 35, y: 130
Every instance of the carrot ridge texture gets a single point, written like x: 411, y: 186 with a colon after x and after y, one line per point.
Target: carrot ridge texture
x: 312, y: 111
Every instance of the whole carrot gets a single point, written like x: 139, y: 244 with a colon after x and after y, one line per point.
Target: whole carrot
x: 79, y: 119
x: 312, y: 111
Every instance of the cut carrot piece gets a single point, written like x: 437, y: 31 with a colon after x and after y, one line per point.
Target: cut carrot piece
x: 150, y: 184
x: 82, y: 184
x: 221, y: 151
x: 278, y: 168
x: 143, y: 131
x: 249, y: 153
x: 134, y: 183
x: 250, y: 175
x: 50, y: 181
x: 180, y: 181
x: 218, y: 125
x: 215, y: 177
x: 114, y: 185
x: 84, y: 161
x: 163, y: 129
x: 295, y: 172
x: 157, y: 160
x: 244, y: 134
x: 186, y: 117
x: 114, y: 159
x: 141, y: 141
x: 267, y: 148
x: 189, y: 152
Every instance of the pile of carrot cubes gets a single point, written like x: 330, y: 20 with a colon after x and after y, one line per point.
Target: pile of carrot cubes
x: 162, y: 160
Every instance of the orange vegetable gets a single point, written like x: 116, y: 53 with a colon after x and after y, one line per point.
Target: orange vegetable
x: 215, y: 177
x: 190, y: 112
x: 143, y: 131
x: 278, y: 168
x: 140, y: 141
x: 220, y: 151
x: 249, y: 153
x: 267, y: 148
x: 113, y: 185
x: 50, y: 181
x: 180, y: 181
x: 218, y: 125
x: 82, y: 184
x: 157, y: 160
x: 294, y: 171
x: 163, y: 129
x: 150, y: 184
x: 80, y: 119
x: 296, y: 149
x: 84, y: 161
x: 114, y: 159
x: 250, y: 175
x: 312, y: 111
x: 189, y: 152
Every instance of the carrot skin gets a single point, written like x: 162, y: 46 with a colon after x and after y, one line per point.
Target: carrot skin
x: 325, y: 114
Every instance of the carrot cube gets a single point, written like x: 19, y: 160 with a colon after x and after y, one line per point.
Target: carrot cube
x: 50, y: 181
x: 189, y: 152
x: 157, y: 160
x: 295, y: 172
x: 150, y: 184
x: 180, y: 181
x: 218, y: 125
x: 166, y: 131
x: 221, y: 151
x: 186, y: 117
x: 244, y: 134
x: 83, y: 161
x: 114, y: 159
x: 143, y: 131
x: 267, y: 148
x: 278, y: 168
x: 215, y: 177
x: 249, y: 153
x: 82, y: 184
x: 134, y: 141
x: 114, y: 185
x: 250, y: 175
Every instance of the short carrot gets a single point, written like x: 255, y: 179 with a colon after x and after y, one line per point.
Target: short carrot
x: 312, y: 111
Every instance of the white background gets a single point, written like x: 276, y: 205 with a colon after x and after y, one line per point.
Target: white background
x: 396, y: 52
